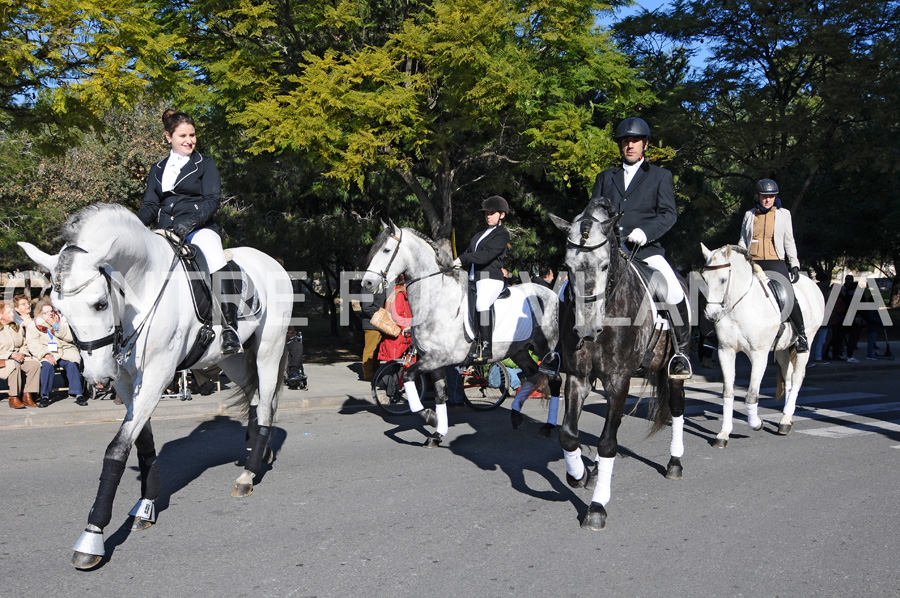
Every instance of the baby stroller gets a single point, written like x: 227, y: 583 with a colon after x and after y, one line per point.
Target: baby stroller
x: 296, y: 377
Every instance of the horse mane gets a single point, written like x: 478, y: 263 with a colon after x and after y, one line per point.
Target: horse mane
x: 113, y: 215
x: 443, y: 258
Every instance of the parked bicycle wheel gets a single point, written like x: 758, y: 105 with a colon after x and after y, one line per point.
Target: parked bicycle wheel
x: 387, y: 388
x: 485, y: 386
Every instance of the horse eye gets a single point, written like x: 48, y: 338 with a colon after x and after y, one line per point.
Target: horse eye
x: 101, y: 305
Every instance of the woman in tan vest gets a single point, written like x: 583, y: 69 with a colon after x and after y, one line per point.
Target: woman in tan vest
x: 20, y: 370
x: 768, y: 235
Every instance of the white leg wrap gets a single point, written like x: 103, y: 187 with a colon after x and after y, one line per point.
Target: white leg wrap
x: 727, y: 415
x: 790, y: 402
x: 412, y: 396
x: 443, y: 424
x: 523, y: 393
x: 753, y: 415
x: 676, y: 448
x: 574, y: 464
x: 553, y: 412
x: 602, y: 491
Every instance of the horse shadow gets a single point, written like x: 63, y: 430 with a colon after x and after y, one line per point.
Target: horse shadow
x: 213, y: 443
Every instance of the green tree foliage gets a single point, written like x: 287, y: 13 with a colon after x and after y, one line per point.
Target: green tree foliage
x: 63, y: 62
x: 804, y: 93
x: 452, y: 97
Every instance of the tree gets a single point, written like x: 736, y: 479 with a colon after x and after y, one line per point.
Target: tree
x: 804, y: 93
x: 453, y: 97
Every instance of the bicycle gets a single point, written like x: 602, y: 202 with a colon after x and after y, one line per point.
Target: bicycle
x: 484, y: 387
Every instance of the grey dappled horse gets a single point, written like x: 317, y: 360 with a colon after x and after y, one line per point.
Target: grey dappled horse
x: 438, y: 299
x: 128, y: 301
x: 743, y: 309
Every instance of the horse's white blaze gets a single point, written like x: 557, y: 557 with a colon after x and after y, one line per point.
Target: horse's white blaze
x: 602, y: 491
x: 676, y: 447
x: 574, y: 464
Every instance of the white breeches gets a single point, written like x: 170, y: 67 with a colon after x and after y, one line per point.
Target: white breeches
x: 487, y: 290
x: 674, y: 294
x: 211, y: 245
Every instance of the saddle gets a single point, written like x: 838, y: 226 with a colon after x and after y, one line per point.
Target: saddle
x: 780, y: 294
x: 205, y: 308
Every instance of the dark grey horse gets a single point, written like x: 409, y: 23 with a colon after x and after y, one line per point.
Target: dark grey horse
x: 608, y: 330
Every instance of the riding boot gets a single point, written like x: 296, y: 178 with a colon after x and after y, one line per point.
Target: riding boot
x: 680, y: 364
x: 797, y: 321
x: 230, y: 286
x: 486, y: 332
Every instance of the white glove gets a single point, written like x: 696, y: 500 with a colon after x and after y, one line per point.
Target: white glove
x: 637, y: 237
x: 457, y: 263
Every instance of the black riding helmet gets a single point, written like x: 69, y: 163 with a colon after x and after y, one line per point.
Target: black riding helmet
x: 767, y: 187
x: 633, y: 127
x: 495, y: 203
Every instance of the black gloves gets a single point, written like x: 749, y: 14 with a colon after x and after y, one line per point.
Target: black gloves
x: 795, y: 274
x: 182, y: 228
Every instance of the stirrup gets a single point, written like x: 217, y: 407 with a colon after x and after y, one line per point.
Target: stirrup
x: 550, y: 364
x: 680, y: 376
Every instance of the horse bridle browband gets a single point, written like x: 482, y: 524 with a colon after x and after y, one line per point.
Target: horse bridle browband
x: 727, y: 288
x: 586, y: 224
x: 115, y: 338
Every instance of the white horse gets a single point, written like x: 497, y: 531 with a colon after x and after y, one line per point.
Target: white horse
x: 438, y: 300
x: 743, y: 309
x: 129, y: 304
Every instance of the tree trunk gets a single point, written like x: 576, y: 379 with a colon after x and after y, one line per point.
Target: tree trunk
x: 895, y: 282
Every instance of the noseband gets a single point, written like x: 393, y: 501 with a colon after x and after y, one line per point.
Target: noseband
x: 725, y: 311
x: 586, y: 223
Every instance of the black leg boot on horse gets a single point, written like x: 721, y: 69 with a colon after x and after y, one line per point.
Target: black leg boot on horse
x: 680, y: 364
x: 797, y: 321
x: 483, y: 352
x: 229, y: 295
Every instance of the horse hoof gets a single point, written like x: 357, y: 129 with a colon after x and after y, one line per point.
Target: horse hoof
x: 757, y: 428
x: 785, y: 429
x: 81, y: 560
x: 546, y: 430
x: 595, y: 520
x: 433, y: 441
x: 429, y: 417
x: 721, y: 443
x: 242, y: 490
x: 588, y: 480
x: 140, y: 524
x: 674, y: 470
x: 516, y: 419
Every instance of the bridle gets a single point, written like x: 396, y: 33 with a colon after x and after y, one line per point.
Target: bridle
x: 725, y: 311
x: 122, y: 347
x: 383, y: 274
x: 586, y: 223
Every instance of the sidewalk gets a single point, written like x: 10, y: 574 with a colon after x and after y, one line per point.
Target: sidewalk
x: 336, y: 386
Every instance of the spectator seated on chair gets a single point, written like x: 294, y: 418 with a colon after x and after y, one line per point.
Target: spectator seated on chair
x: 17, y: 366
x: 50, y: 339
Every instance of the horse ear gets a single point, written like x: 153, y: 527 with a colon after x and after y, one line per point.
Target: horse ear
x: 40, y: 258
x: 728, y: 252
x: 100, y: 255
x: 392, y: 225
x: 706, y: 252
x: 561, y: 224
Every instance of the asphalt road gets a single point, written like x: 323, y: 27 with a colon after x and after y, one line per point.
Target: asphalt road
x: 353, y: 506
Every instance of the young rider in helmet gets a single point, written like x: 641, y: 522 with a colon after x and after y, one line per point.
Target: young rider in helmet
x: 484, y: 262
x: 644, y: 192
x: 768, y: 234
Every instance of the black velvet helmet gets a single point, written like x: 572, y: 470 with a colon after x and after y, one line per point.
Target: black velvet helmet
x: 767, y: 187
x: 633, y: 127
x: 495, y: 203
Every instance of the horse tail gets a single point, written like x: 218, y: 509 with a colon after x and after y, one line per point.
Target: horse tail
x: 659, y: 407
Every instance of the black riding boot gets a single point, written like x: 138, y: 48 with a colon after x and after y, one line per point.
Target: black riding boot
x: 797, y: 321
x: 485, y: 333
x: 680, y: 365
x: 230, y: 286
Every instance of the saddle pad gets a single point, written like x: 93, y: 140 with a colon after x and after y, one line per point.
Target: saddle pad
x: 513, y: 318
